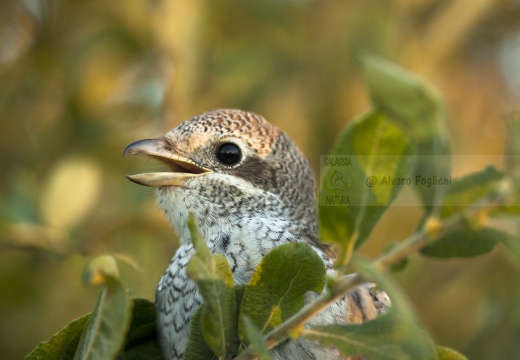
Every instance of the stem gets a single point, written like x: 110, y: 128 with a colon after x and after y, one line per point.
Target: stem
x: 429, y: 232
x: 431, y: 229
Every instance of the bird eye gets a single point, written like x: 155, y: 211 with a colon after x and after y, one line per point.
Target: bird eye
x: 229, y: 154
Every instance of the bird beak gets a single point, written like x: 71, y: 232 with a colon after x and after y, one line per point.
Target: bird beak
x: 181, y: 167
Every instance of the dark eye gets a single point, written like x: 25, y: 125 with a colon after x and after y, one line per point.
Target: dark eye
x: 229, y: 154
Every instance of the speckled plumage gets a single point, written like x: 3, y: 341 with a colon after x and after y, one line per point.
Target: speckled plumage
x: 244, y: 211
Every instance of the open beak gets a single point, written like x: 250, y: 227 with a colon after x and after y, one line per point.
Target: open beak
x: 181, y: 168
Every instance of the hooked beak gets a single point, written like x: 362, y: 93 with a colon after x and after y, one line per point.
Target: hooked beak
x: 181, y: 167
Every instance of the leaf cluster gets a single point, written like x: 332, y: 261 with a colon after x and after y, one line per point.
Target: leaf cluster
x: 274, y: 293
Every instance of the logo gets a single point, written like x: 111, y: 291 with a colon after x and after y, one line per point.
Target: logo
x: 339, y: 181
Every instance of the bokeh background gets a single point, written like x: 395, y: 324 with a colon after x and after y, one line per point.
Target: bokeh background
x: 79, y: 80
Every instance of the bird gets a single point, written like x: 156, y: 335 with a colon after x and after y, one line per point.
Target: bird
x: 250, y: 189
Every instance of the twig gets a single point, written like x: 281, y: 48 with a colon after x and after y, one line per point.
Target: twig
x: 281, y: 333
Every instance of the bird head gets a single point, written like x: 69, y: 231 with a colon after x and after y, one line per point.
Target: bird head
x: 227, y: 165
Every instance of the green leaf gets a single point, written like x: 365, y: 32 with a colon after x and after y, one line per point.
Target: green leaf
x: 142, y: 341
x: 402, y: 96
x: 105, y: 331
x: 215, y: 282
x: 203, y: 252
x: 63, y: 344
x: 420, y: 112
x: 276, y: 289
x: 395, y: 335
x: 372, y: 147
x: 101, y: 270
x: 256, y: 338
x: 444, y: 353
x: 465, y: 242
x: 197, y: 348
x: 470, y: 188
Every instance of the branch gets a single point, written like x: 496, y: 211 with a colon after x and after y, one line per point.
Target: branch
x: 281, y: 333
x: 432, y: 229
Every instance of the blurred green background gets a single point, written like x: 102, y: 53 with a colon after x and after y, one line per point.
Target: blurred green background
x: 79, y: 80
